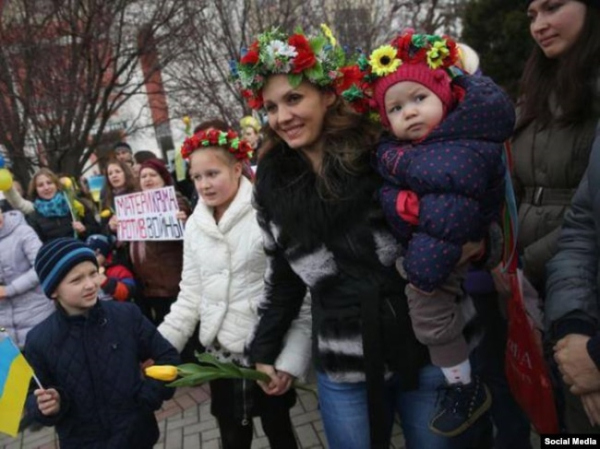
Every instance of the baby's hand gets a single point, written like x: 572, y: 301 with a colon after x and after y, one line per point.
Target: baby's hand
x: 48, y: 401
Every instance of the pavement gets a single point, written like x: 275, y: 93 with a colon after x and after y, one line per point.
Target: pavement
x: 185, y: 422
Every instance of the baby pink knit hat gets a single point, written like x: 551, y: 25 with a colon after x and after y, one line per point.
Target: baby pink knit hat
x: 436, y: 80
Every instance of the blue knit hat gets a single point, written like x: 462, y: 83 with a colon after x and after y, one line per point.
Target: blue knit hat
x: 56, y: 258
x: 99, y: 242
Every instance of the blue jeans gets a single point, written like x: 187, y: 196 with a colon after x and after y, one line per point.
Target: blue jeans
x: 346, y: 419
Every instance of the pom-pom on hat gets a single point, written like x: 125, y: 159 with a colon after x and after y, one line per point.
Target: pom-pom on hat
x: 56, y: 258
x: 159, y: 167
x: 100, y: 243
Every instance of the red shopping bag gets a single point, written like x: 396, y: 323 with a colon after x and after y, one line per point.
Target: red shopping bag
x: 526, y: 370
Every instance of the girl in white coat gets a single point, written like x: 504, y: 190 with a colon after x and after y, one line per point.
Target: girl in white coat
x: 221, y: 286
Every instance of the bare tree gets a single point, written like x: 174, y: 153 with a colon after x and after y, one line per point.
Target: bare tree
x: 200, y: 85
x: 68, y: 66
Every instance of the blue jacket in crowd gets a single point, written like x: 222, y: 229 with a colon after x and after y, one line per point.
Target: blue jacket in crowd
x: 457, y: 173
x: 94, y: 363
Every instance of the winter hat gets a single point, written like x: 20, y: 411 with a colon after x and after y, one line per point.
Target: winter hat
x: 123, y: 146
x: 422, y: 58
x: 436, y: 80
x: 56, y: 258
x: 159, y: 167
x: 99, y: 242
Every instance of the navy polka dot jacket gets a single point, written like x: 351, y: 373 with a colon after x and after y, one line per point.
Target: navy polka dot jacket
x: 458, y: 175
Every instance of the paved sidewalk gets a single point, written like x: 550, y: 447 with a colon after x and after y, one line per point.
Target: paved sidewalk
x: 185, y: 422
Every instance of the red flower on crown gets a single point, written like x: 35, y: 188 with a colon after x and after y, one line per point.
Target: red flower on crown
x: 403, y: 44
x: 252, y: 56
x: 229, y: 140
x: 254, y: 99
x: 306, y: 57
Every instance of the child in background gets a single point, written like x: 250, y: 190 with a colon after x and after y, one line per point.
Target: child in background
x: 444, y: 187
x: 221, y: 286
x: 87, y: 356
x: 116, y: 280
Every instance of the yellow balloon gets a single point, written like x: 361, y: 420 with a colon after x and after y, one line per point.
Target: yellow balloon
x: 5, y: 179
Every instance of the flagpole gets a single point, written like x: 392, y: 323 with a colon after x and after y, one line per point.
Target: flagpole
x: 37, y: 381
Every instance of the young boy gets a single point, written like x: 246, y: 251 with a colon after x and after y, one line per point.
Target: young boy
x: 444, y: 187
x: 87, y: 356
x: 116, y: 280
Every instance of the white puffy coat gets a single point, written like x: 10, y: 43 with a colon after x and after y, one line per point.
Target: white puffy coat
x: 222, y: 283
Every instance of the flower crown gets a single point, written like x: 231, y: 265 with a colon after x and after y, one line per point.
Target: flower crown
x: 229, y: 140
x: 317, y: 59
x: 437, y: 52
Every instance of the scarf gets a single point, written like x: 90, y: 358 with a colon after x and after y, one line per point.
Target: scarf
x: 55, y: 207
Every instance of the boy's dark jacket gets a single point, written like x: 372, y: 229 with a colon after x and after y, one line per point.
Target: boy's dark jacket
x: 94, y: 363
x: 458, y: 174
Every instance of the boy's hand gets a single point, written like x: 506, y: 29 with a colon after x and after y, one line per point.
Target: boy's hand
x: 48, y: 401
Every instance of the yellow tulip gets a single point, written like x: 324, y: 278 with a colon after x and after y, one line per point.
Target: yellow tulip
x: 6, y: 180
x: 166, y: 373
x: 187, y: 120
x: 66, y: 182
x: 105, y: 213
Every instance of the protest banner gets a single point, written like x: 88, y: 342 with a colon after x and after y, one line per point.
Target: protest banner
x: 150, y: 215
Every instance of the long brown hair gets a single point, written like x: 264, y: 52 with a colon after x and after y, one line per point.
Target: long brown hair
x: 572, y: 78
x: 346, y: 141
x: 131, y: 183
x: 32, y: 191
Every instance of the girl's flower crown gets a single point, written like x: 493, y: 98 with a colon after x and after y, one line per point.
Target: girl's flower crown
x: 229, y: 140
x: 318, y: 59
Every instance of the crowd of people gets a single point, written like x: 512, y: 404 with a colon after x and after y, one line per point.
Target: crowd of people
x: 357, y: 234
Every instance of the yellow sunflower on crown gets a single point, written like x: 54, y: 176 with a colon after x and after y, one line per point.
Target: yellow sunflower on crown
x: 384, y: 60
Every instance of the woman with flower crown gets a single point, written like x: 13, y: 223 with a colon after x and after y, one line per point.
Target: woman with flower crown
x: 221, y: 285
x: 324, y: 232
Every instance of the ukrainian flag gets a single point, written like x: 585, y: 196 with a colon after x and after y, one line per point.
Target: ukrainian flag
x: 15, y: 375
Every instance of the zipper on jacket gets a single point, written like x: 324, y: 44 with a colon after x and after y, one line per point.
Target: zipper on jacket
x: 245, y: 421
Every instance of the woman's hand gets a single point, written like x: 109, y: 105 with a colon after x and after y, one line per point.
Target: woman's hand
x: 2, y: 291
x: 48, y: 401
x: 280, y: 380
x: 181, y: 215
x: 591, y: 405
x: 79, y: 227
x: 575, y: 364
x: 113, y: 223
